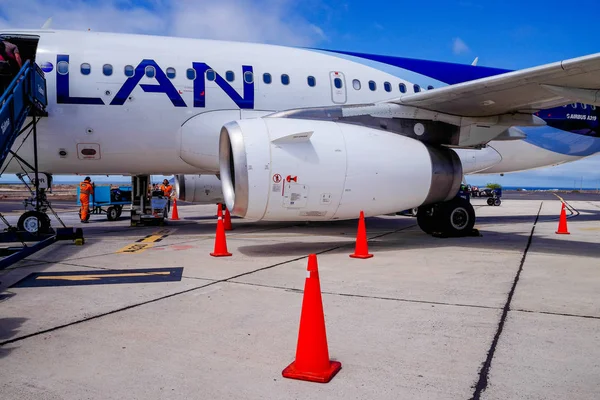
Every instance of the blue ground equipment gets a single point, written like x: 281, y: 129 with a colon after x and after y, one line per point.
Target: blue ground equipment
x: 108, y: 200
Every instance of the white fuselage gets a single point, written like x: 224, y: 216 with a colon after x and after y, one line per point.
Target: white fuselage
x: 139, y: 126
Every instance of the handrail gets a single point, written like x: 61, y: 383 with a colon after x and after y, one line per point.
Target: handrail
x: 22, y: 72
x: 27, y: 90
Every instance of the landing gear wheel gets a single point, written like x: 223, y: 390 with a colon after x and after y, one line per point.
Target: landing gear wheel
x: 427, y: 218
x: 112, y: 213
x: 34, y: 222
x: 497, y: 202
x: 456, y: 217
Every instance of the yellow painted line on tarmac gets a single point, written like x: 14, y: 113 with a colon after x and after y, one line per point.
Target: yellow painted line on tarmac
x: 145, y: 243
x: 590, y: 229
x: 135, y: 248
x: 92, y: 277
x: 152, y: 239
x: 106, y: 277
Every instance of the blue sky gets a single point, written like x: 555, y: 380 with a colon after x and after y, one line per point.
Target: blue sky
x: 506, y: 34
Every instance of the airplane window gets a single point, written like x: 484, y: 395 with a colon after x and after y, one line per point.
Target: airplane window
x: 107, y: 69
x: 285, y: 79
x: 248, y: 77
x: 86, y: 68
x: 62, y: 67
x: 230, y: 76
x: 129, y: 70
x: 267, y: 78
x: 372, y: 86
x: 311, y: 81
x: 402, y: 88
x: 583, y: 106
x: 337, y: 82
x: 574, y: 105
x: 190, y: 73
x: 429, y: 87
x: 417, y: 88
x: 593, y: 107
x: 171, y: 73
x: 150, y: 71
x: 210, y: 75
x: 356, y: 84
x: 387, y: 86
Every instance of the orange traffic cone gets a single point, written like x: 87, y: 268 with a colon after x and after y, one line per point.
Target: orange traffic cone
x: 227, y: 220
x: 312, y: 356
x: 220, y: 241
x: 362, y: 249
x: 174, y: 213
x: 562, y: 222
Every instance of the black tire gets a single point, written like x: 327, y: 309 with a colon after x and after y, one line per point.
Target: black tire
x: 497, y: 202
x: 456, y: 217
x: 490, y: 201
x: 112, y: 213
x: 34, y: 222
x: 119, y: 211
x: 426, y: 218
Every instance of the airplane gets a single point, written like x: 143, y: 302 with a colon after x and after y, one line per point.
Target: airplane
x: 301, y: 134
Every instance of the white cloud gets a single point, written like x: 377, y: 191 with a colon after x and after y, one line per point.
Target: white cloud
x: 459, y: 46
x: 265, y: 21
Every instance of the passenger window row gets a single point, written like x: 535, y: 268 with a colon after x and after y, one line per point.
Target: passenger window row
x: 190, y: 73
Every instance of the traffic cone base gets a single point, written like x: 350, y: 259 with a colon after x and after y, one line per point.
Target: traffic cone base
x: 322, y: 376
x: 361, y: 249
x: 361, y: 255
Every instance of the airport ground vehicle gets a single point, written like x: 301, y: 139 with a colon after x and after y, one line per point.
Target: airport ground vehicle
x: 108, y: 200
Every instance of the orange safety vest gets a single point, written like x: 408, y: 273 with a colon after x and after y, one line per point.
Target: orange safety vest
x: 85, y: 188
x: 166, y: 190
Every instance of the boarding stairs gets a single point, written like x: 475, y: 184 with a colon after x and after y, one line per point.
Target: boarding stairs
x: 26, y: 96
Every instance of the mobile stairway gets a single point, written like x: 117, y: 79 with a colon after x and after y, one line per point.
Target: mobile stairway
x: 26, y: 98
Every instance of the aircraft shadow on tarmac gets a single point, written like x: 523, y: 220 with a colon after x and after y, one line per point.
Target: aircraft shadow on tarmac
x: 413, y: 238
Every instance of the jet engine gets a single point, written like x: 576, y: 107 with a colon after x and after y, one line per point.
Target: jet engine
x: 290, y: 169
x: 203, y: 189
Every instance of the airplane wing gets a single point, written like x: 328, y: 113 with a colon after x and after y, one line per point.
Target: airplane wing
x: 527, y: 91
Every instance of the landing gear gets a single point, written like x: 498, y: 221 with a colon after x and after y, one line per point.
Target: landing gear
x: 34, y: 222
x: 452, y: 218
x: 494, y: 201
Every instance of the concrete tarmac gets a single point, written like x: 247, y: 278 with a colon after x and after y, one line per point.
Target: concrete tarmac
x: 511, y: 314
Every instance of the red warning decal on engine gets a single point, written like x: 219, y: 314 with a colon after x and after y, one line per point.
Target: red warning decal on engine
x: 276, y: 178
x: 291, y: 178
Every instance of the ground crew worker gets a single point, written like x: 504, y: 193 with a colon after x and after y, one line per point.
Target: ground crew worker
x: 167, y: 190
x: 85, y: 190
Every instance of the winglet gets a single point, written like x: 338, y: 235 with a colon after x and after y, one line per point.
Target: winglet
x: 294, y: 138
x: 474, y: 63
x: 47, y: 23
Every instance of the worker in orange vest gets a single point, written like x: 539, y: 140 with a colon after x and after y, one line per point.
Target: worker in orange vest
x: 167, y: 190
x: 85, y: 190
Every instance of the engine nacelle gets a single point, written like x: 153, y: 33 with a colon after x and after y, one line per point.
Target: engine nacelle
x: 204, y: 189
x: 291, y: 169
